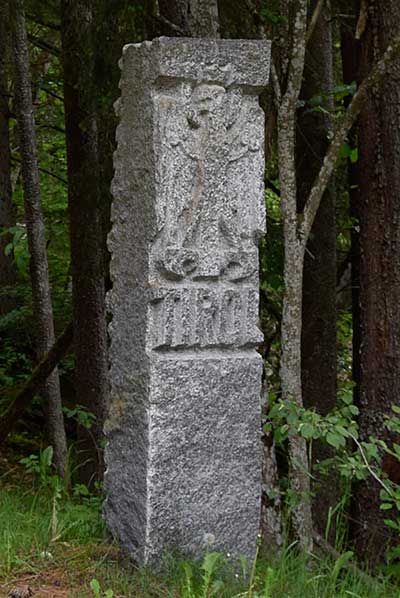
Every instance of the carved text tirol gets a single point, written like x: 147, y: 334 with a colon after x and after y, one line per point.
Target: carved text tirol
x: 190, y: 318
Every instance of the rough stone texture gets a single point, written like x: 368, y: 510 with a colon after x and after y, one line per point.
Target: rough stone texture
x: 183, y: 454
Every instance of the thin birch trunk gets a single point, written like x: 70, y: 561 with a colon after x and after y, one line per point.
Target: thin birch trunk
x: 290, y: 371
x: 41, y: 294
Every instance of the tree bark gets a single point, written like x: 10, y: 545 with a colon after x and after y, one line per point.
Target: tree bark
x: 290, y: 373
x: 41, y: 293
x: 196, y: 18
x: 86, y: 229
x: 318, y: 342
x: 8, y: 273
x: 379, y: 212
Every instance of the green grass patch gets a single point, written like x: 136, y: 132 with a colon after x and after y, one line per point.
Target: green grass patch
x: 55, y: 543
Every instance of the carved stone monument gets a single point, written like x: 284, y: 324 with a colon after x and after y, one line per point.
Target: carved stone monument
x: 183, y: 454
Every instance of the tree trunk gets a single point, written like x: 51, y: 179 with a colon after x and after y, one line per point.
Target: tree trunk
x: 290, y: 374
x: 86, y: 229
x: 297, y: 229
x: 42, y: 306
x: 379, y: 212
x: 196, y: 18
x: 318, y: 342
x: 290, y: 371
x: 8, y: 273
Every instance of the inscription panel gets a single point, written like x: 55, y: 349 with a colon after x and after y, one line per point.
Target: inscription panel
x: 190, y: 318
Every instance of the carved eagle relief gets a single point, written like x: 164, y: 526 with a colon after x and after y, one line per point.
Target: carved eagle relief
x: 211, y: 201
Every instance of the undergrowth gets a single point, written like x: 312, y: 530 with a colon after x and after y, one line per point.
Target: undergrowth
x: 55, y: 542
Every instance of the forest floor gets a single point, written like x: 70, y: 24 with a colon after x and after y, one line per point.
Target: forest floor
x: 53, y: 544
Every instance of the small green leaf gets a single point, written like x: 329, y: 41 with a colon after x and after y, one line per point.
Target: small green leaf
x: 392, y: 524
x: 354, y: 155
x: 345, y: 151
x: 342, y: 431
x: 340, y: 563
x: 335, y: 440
x: 216, y: 587
x: 47, y: 456
x: 347, y: 399
x: 210, y: 561
x: 267, y: 428
x: 95, y: 587
x: 307, y: 431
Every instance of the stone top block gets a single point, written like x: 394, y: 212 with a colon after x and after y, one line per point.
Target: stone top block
x: 230, y: 62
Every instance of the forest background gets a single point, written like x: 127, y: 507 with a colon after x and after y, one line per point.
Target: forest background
x: 332, y: 329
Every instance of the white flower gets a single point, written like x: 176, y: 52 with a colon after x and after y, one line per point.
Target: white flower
x: 208, y: 539
x: 46, y: 555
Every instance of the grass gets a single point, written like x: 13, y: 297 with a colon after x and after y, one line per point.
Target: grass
x: 57, y: 546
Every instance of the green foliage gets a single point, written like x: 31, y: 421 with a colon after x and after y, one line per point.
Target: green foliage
x: 13, y: 363
x: 18, y: 248
x: 40, y: 533
x: 293, y: 575
x: 81, y: 414
x: 208, y: 586
x: 41, y: 466
x: 286, y: 418
x: 271, y: 280
x: 339, y: 430
x: 97, y: 592
x: 343, y: 91
x: 347, y: 152
x: 272, y: 17
x: 35, y: 523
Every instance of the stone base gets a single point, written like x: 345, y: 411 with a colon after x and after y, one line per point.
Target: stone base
x: 201, y: 463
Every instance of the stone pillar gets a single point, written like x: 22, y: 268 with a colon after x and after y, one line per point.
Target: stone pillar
x: 183, y: 454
